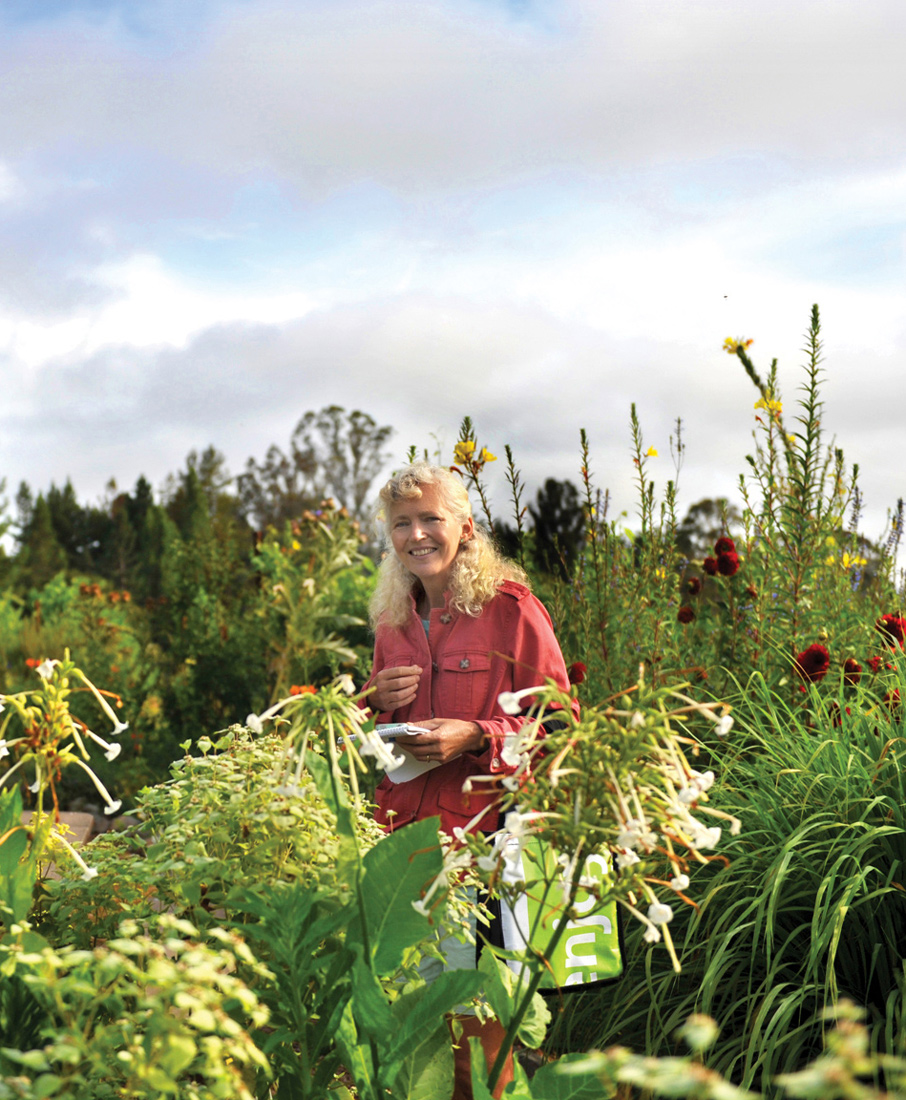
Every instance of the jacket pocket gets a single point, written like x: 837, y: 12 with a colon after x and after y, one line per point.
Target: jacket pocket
x: 464, y: 684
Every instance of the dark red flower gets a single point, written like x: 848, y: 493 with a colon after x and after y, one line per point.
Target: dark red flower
x: 752, y: 592
x: 710, y: 566
x: 892, y: 700
x: 685, y: 615
x: 724, y: 546
x: 813, y: 663
x: 31, y: 662
x: 576, y: 672
x: 874, y: 663
x: 694, y: 586
x: 893, y: 627
x: 727, y: 564
x: 852, y: 671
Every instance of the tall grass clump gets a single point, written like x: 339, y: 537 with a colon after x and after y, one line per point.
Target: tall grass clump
x: 795, y: 619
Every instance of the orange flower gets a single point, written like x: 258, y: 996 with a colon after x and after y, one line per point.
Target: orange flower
x: 304, y: 689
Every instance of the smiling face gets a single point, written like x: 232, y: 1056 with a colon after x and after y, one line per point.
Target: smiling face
x: 426, y: 536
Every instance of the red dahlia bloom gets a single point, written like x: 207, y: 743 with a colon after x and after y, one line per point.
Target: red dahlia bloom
x: 694, y: 585
x: 812, y: 664
x: 894, y: 627
x: 727, y: 564
x: 852, y: 671
x: 710, y: 566
x: 685, y: 615
x: 576, y: 672
x: 724, y: 546
x: 874, y: 663
x: 892, y: 700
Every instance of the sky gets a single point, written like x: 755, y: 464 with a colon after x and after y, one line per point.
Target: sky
x: 216, y: 216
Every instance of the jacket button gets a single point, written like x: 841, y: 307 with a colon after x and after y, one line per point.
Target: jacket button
x: 464, y: 663
x: 434, y: 666
x: 445, y: 618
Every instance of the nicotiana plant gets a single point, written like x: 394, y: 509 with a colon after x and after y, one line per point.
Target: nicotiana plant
x: 618, y: 780
x: 41, y: 736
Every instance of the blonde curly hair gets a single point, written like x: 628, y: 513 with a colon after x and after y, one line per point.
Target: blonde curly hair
x: 478, y: 569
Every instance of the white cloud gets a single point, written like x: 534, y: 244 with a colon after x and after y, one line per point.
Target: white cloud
x: 442, y: 94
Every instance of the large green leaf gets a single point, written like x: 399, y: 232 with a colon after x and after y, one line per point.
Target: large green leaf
x: 369, y: 1003
x: 551, y: 1083
x: 19, y: 850
x: 397, y: 872
x: 418, y: 1013
x: 426, y: 1073
x: 505, y: 995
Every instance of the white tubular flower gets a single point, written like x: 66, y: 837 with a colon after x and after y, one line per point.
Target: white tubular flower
x: 118, y: 728
x: 4, y: 751
x: 651, y: 935
x: 658, y: 913
x: 87, y: 872
x: 45, y: 668
x: 467, y: 786
x: 514, y: 823
x: 513, y: 753
x: 113, y: 807
x: 723, y: 726
x: 346, y: 683
x: 627, y: 858
x: 487, y: 863
x: 374, y: 745
x: 696, y: 787
x: 636, y: 834
x: 679, y: 882
x: 420, y: 906
x: 509, y: 783
x: 254, y: 723
x: 35, y: 787
x: 110, y: 751
x: 511, y: 701
x: 703, y: 837
x: 635, y: 723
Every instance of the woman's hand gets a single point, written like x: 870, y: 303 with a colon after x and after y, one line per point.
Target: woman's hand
x: 393, y: 688
x: 448, y: 738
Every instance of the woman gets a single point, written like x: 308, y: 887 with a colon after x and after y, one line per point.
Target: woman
x: 455, y: 625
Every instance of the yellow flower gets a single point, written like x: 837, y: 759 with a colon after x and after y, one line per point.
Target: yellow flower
x: 486, y: 456
x: 651, y: 452
x: 464, y: 450
x: 772, y: 406
x: 851, y: 562
x: 731, y: 344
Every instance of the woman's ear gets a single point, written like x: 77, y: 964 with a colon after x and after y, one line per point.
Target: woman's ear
x: 468, y: 530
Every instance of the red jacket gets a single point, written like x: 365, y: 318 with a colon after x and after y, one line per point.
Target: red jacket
x: 466, y: 663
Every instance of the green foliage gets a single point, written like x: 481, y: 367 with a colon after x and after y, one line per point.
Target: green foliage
x: 147, y: 1014
x: 314, y: 588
